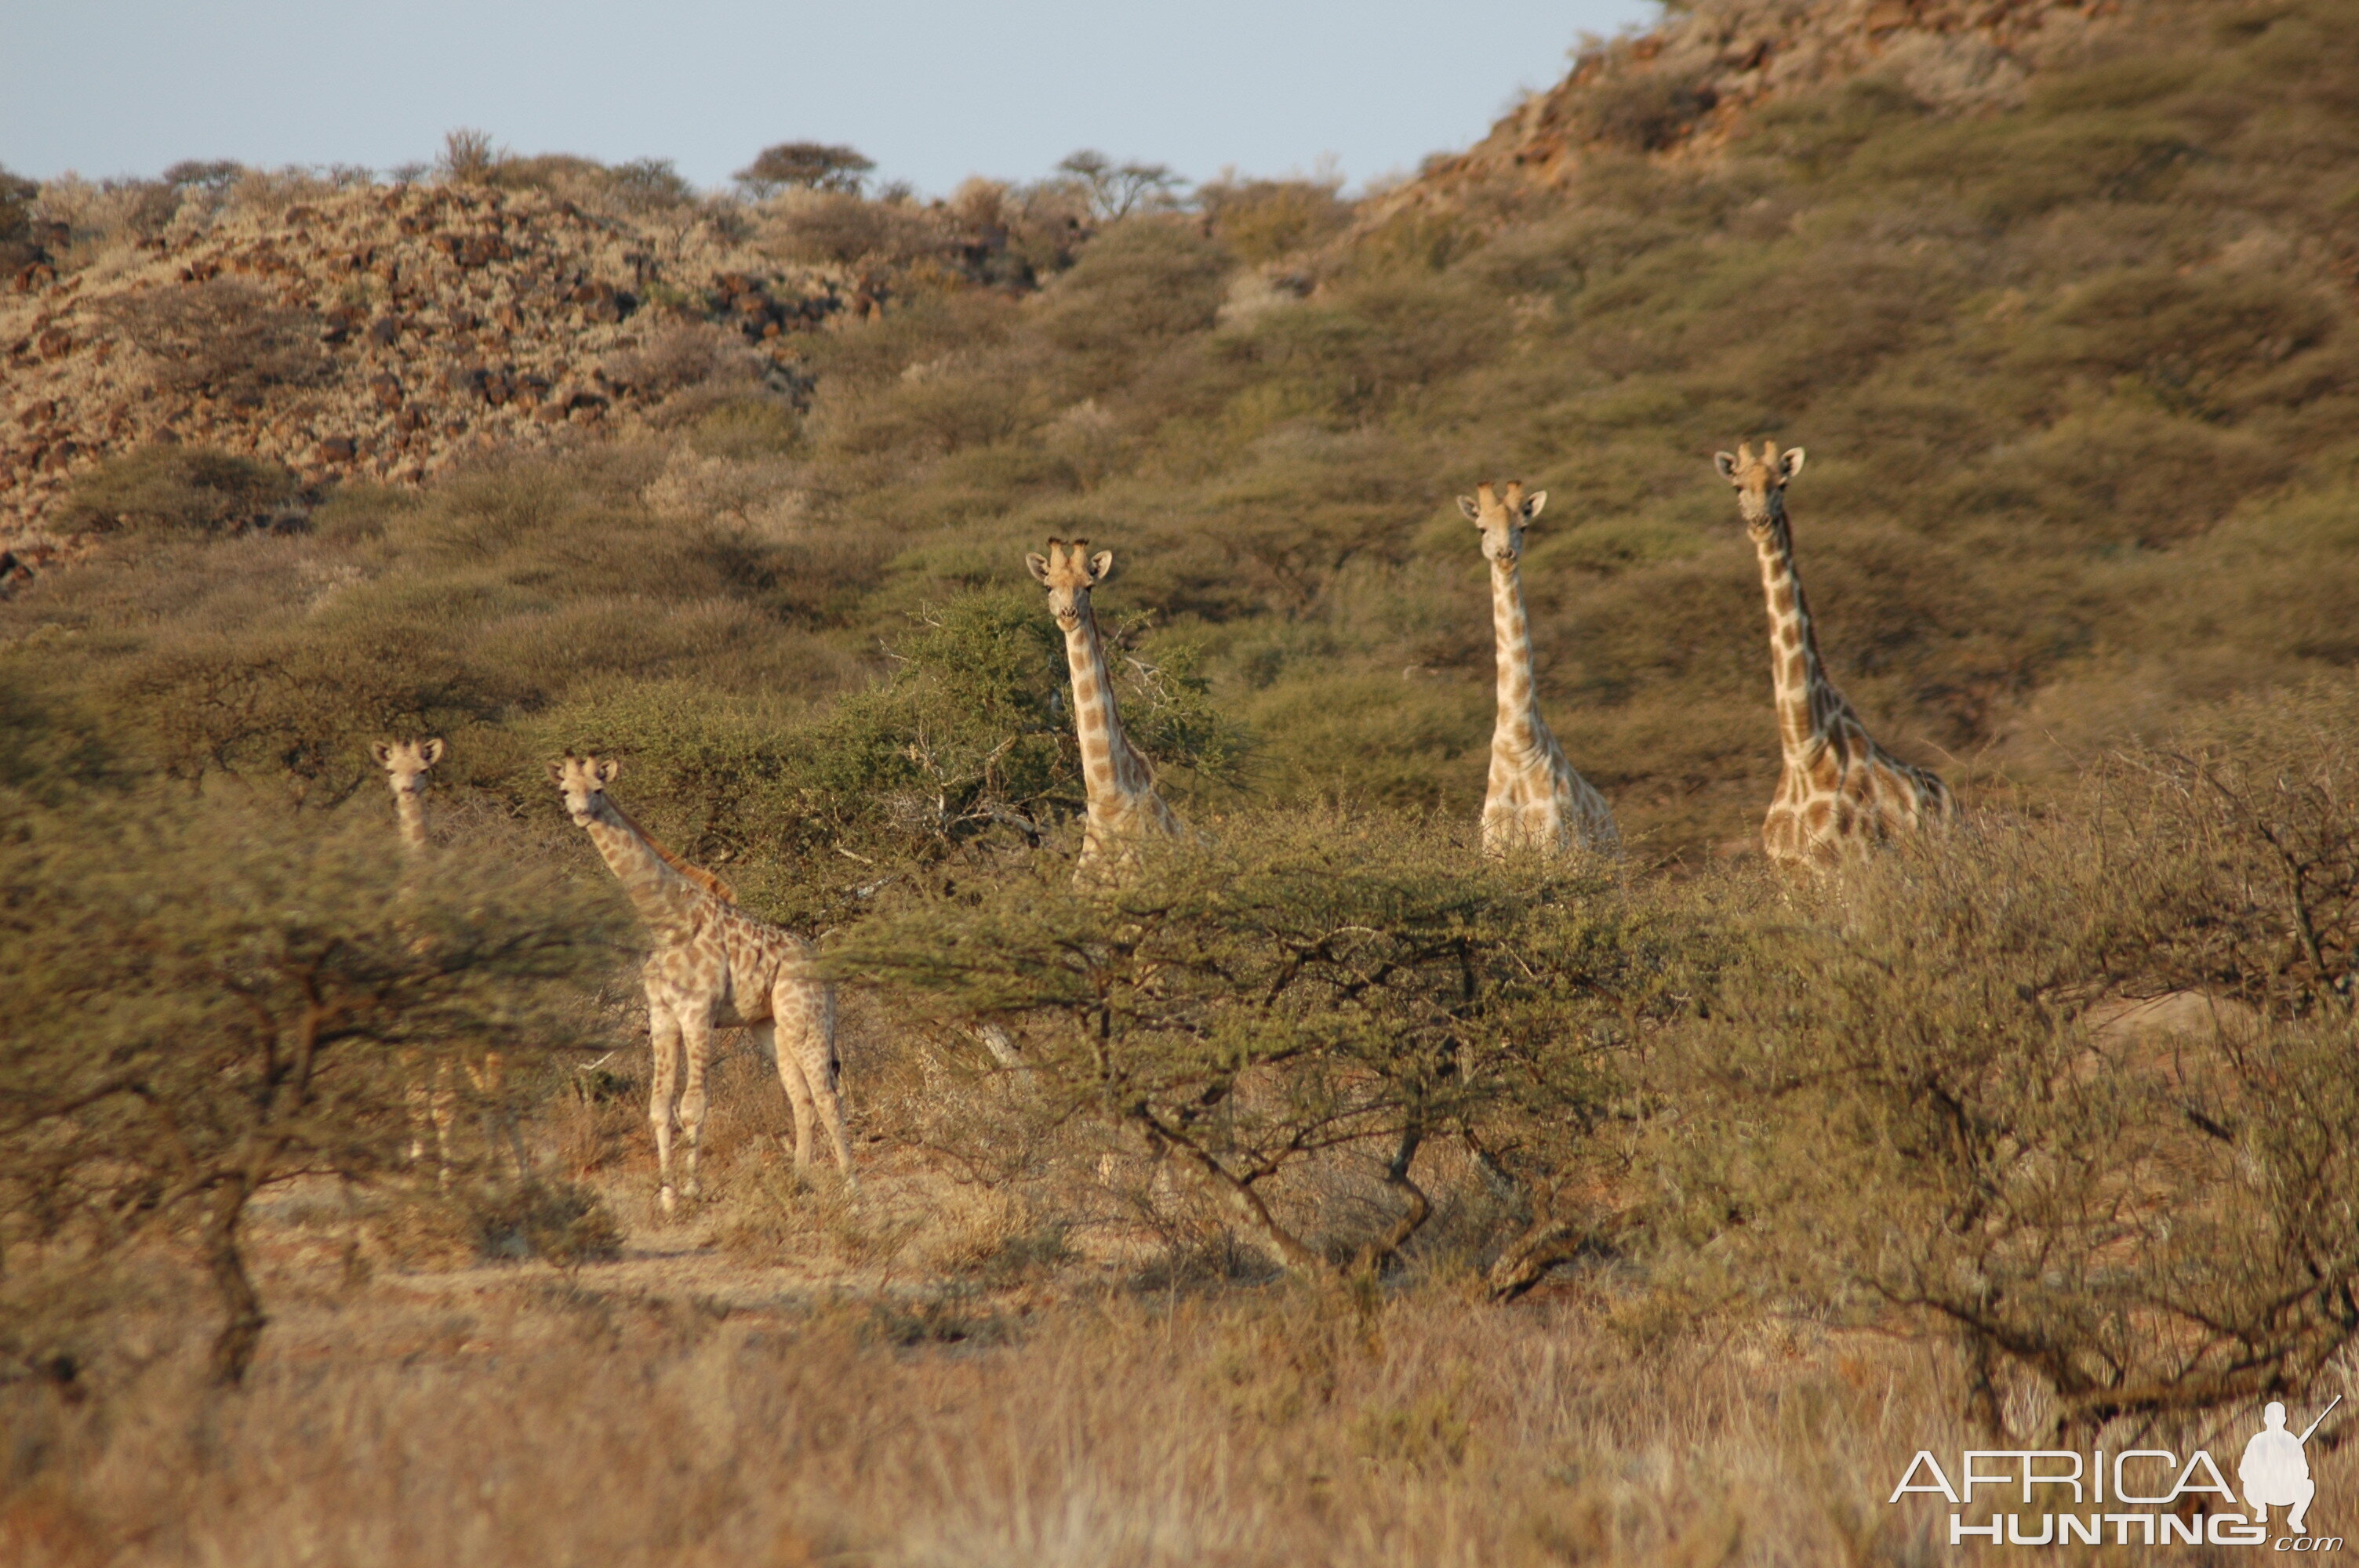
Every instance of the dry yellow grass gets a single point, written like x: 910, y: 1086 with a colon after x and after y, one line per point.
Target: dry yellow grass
x: 676, y: 1409
x: 685, y: 1406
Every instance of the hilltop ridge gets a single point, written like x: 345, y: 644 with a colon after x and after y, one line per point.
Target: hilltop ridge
x: 377, y: 333
x: 1684, y: 86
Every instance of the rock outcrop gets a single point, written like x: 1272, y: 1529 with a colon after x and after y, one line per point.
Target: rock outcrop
x: 1681, y: 88
x: 377, y: 333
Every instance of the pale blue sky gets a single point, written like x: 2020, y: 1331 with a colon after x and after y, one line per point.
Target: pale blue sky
x: 932, y: 90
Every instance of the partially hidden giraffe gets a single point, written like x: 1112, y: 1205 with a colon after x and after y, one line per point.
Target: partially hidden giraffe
x: 406, y: 765
x: 1840, y: 790
x: 433, y: 1102
x: 1536, y: 800
x: 713, y: 966
x: 1124, y: 809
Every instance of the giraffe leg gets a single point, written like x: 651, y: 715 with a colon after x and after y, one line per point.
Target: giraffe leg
x: 806, y: 1013
x: 445, y: 1111
x: 696, y: 1037
x: 490, y: 1080
x: 417, y: 1097
x: 791, y: 1078
x: 663, y: 1039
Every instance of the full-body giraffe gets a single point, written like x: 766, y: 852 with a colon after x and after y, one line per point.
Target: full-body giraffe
x: 1123, y: 807
x: 1840, y: 790
x: 409, y: 766
x: 713, y: 966
x: 1536, y: 800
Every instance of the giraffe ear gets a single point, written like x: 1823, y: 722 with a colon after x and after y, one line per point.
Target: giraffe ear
x: 1726, y: 463
x: 1791, y: 463
x: 1473, y: 512
x: 382, y: 751
x: 557, y: 773
x: 1038, y: 564
x: 430, y: 749
x: 1533, y: 502
x: 1101, y: 567
x: 603, y: 770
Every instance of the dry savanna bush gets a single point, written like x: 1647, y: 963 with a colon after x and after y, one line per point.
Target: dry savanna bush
x: 2080, y: 1094
x: 217, y: 1001
x: 226, y: 337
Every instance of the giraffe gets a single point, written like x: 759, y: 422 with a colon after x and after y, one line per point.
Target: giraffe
x: 1123, y: 807
x: 432, y: 1101
x: 406, y: 766
x: 1536, y: 800
x: 1839, y: 791
x: 713, y: 966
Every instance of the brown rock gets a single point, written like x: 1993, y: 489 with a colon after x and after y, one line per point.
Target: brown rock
x: 336, y: 449
x: 54, y: 343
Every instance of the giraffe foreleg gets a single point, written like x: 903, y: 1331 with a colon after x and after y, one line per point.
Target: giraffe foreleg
x: 663, y: 1041
x: 696, y: 1041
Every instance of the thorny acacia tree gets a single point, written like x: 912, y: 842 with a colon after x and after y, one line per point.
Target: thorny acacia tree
x: 1307, y: 985
x: 1940, y: 1091
x: 207, y: 1001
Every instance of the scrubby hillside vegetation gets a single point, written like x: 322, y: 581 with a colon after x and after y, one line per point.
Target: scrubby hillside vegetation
x: 2073, y: 373
x: 1325, y: 1190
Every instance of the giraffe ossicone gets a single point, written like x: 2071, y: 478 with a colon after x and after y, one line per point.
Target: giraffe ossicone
x: 1124, y: 809
x: 1535, y: 799
x: 1839, y: 791
x: 713, y: 967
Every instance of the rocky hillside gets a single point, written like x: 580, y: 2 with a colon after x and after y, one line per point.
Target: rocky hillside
x: 1685, y: 86
x: 377, y: 333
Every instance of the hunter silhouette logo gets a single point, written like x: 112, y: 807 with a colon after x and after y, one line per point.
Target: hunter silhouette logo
x: 2275, y: 1472
x: 2138, y: 1497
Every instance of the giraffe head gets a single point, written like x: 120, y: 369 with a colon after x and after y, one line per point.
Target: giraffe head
x: 406, y: 763
x: 1760, y: 481
x: 584, y: 782
x: 1502, y: 512
x: 1069, y: 571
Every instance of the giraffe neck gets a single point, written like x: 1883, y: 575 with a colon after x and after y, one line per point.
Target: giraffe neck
x: 1806, y: 703
x: 1110, y: 768
x: 1519, y: 717
x: 664, y: 898
x: 409, y: 811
